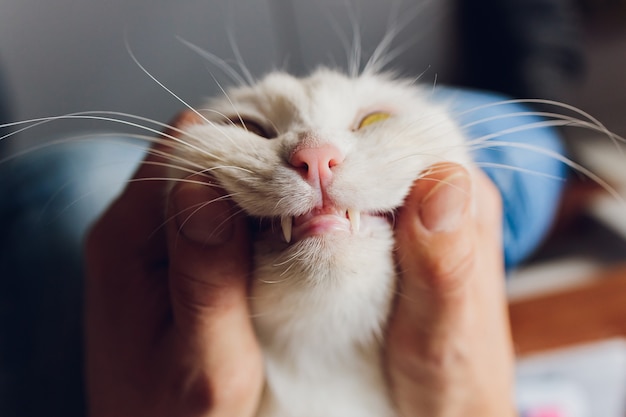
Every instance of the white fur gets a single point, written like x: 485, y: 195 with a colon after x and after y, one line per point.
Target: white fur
x: 320, y: 305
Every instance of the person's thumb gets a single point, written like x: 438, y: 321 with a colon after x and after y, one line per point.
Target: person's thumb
x: 449, y: 328
x: 435, y: 244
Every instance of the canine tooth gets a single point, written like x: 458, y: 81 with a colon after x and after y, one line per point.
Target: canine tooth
x: 287, y: 224
x: 355, y: 219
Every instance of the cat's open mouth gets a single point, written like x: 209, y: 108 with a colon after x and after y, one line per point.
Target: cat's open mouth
x: 320, y: 221
x: 324, y: 221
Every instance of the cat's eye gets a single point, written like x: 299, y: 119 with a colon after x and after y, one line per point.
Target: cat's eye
x: 254, y: 127
x: 373, y: 118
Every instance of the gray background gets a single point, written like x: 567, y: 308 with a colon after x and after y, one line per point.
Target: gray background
x: 66, y: 56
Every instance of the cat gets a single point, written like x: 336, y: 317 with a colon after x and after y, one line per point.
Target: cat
x: 322, y: 162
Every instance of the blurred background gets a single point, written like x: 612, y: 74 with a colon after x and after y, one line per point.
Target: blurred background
x: 68, y: 56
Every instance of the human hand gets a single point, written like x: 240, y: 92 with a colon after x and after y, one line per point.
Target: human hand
x: 449, y: 351
x: 168, y: 331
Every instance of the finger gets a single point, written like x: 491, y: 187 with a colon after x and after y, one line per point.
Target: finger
x: 436, y: 254
x: 210, y: 253
x: 210, y: 260
x: 450, y: 257
x: 449, y: 318
x: 434, y: 243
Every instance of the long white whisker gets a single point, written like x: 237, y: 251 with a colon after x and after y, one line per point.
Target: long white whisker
x: 233, y: 107
x: 159, y: 83
x: 196, y: 208
x: 342, y: 37
x: 382, y: 56
x: 217, y: 61
x: 557, y: 104
x: 32, y: 123
x: 242, y: 65
x: 421, y: 74
x: 521, y: 128
x: 91, y: 116
x: 293, y: 256
x: 354, y: 57
x: 536, y: 114
x: 573, y: 122
x: 557, y: 156
x: 519, y: 169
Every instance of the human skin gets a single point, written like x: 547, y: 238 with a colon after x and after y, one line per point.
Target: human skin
x: 449, y: 349
x: 167, y: 324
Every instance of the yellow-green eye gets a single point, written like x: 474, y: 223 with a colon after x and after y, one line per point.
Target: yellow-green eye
x: 372, y: 118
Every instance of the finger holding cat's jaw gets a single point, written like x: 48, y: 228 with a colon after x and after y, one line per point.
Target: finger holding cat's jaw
x: 449, y: 319
x: 202, y: 212
x: 433, y: 241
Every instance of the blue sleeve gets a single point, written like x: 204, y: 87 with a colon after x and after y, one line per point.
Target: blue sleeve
x: 520, y: 156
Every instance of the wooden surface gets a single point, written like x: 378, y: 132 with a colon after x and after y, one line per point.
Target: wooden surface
x: 586, y: 313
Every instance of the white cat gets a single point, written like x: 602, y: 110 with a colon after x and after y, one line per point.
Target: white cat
x: 323, y: 162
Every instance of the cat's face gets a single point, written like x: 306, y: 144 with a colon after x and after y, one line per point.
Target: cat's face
x: 322, y: 155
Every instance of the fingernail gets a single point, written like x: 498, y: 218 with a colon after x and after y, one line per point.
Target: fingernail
x: 443, y: 208
x: 202, y: 214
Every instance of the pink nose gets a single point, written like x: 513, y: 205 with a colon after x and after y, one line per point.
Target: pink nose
x: 315, y: 164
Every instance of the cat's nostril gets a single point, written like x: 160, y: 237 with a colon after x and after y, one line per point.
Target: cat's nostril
x: 316, y: 163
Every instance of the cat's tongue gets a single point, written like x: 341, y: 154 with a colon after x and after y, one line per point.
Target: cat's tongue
x: 320, y: 222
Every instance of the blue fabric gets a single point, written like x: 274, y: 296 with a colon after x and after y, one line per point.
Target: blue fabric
x: 48, y: 199
x: 520, y: 157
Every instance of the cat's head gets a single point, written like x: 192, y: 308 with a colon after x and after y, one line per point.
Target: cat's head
x: 325, y: 154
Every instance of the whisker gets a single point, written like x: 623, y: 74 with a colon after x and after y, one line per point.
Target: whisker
x: 519, y: 169
x: 292, y: 256
x: 217, y: 61
x: 356, y: 46
x: 396, y: 23
x: 240, y: 62
x: 570, y: 163
x: 194, y: 208
x: 181, y: 168
x: 521, y: 128
x: 94, y: 116
x: 159, y: 83
x: 197, y: 207
x: 487, y: 141
x: 346, y: 44
x: 573, y: 122
x: 421, y: 74
x: 444, y: 181
x: 557, y: 104
x: 233, y: 107
x: 35, y: 122
x: 90, y: 193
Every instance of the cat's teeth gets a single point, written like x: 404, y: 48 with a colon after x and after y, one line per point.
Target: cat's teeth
x: 355, y: 220
x: 287, y: 224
